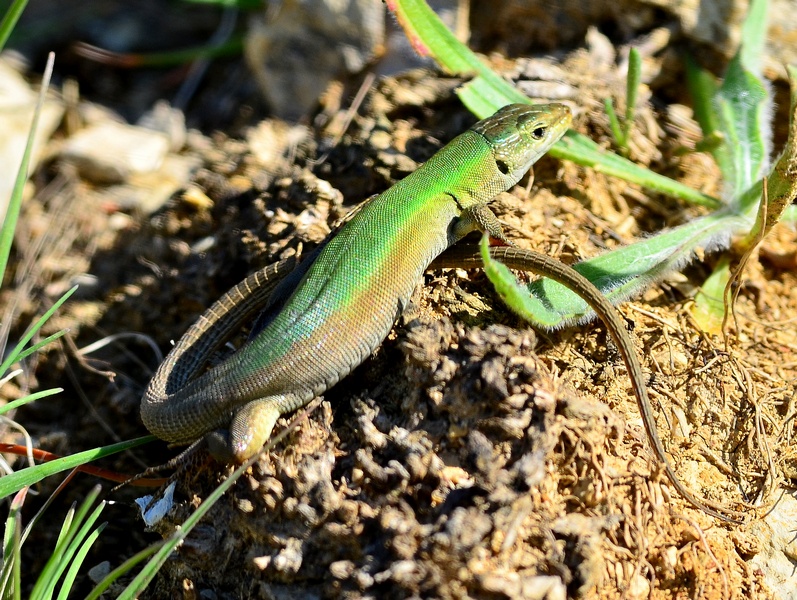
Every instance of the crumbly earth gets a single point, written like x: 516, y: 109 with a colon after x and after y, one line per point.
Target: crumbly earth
x: 470, y: 456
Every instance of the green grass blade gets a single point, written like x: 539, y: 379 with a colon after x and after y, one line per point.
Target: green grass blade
x: 122, y: 569
x: 25, y: 477
x: 631, y: 92
x: 11, y: 548
x: 14, y: 510
x: 16, y: 578
x: 15, y: 203
x: 146, y: 575
x: 614, y: 123
x: 29, y: 398
x: 7, y: 26
x: 77, y: 562
x: 43, y: 581
x: 41, y: 344
x: 73, y: 531
x: 82, y: 536
x: 15, y: 354
x: 621, y: 132
x: 47, y: 503
x: 134, y: 589
x: 583, y: 151
x: 66, y: 527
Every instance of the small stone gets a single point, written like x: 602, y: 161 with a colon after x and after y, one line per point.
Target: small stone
x: 639, y: 587
x: 747, y: 543
x: 506, y: 584
x: 341, y: 569
x: 98, y: 572
x: 197, y: 198
x: 364, y: 580
x: 110, y: 152
x: 167, y: 120
x: 543, y: 587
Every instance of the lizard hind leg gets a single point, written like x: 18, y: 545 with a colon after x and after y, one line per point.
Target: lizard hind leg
x: 249, y: 430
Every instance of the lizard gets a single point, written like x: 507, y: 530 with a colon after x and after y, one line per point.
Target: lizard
x: 322, y: 317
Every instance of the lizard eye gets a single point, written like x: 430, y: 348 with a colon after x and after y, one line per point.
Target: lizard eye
x: 502, y: 166
x: 538, y: 133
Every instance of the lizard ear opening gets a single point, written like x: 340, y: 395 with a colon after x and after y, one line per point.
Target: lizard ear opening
x: 502, y: 166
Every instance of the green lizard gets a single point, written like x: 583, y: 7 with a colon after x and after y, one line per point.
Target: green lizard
x: 325, y: 316
x: 328, y: 315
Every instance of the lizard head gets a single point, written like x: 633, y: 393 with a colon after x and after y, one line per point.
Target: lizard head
x: 519, y: 134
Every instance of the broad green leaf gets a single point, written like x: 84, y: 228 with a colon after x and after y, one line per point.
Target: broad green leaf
x: 618, y: 275
x: 703, y: 87
x: 430, y: 37
x: 743, y: 108
x: 483, y: 97
x: 627, y: 271
x: 782, y: 180
x: 735, y: 114
x: 754, y: 35
x: 514, y: 295
x: 709, y: 307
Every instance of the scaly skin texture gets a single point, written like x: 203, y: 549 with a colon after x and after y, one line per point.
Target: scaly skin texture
x: 334, y: 310
x: 323, y: 317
